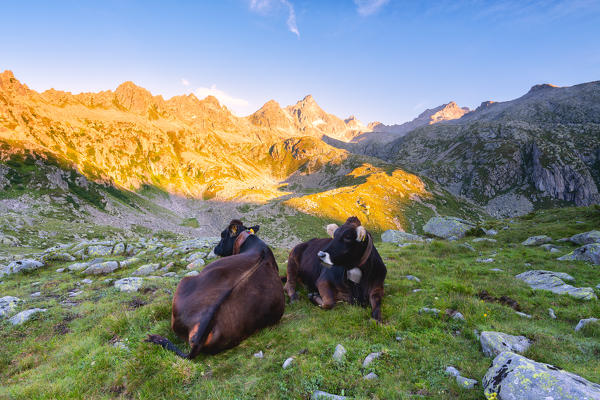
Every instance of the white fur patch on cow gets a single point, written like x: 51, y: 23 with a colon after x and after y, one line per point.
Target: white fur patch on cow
x: 331, y: 228
x: 354, y: 274
x: 325, y: 258
x: 361, y: 233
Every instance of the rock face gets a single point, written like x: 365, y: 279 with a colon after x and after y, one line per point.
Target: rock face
x: 7, y: 305
x: 25, y: 316
x: 553, y: 281
x: 514, y: 377
x: 537, y: 240
x: 586, y: 238
x: 589, y: 253
x: 394, y: 236
x: 446, y: 227
x: 494, y: 343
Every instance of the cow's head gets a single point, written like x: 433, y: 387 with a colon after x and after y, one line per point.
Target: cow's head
x: 350, y: 241
x: 229, y: 235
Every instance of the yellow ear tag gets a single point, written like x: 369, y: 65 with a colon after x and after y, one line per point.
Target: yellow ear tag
x: 251, y: 231
x: 234, y: 229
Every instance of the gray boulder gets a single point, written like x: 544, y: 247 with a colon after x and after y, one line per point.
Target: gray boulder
x: 550, y: 247
x: 129, y: 284
x: 288, y: 363
x: 339, y: 353
x: 553, y: 282
x: 197, y: 263
x: 394, y: 236
x: 537, y: 240
x: 98, y: 251
x: 320, y: 395
x: 78, y: 266
x: 23, y: 265
x: 370, y: 358
x: 465, y: 383
x: 494, y: 343
x: 589, y: 253
x: 146, y: 270
x: 102, y: 268
x: 586, y: 238
x: 25, y: 316
x: 446, y: 227
x: 582, y: 323
x: 7, y: 305
x: 514, y: 377
x: 129, y: 261
x: 370, y: 376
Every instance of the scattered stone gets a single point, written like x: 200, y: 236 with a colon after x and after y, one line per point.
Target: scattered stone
x: 589, y: 253
x: 130, y: 284
x: 23, y: 265
x: 416, y: 290
x: 129, y: 261
x: 103, y: 268
x: 339, y: 353
x: 8, y: 304
x: 99, y: 251
x: 537, y: 240
x: 259, y: 355
x: 320, y: 395
x: 496, y: 270
x: 455, y: 314
x: 550, y: 247
x: 412, y: 278
x: 522, y: 314
x: 370, y: 358
x: 494, y: 343
x: 527, y: 264
x: 86, y: 281
x: 477, y: 240
x: 169, y: 274
x: 59, y: 257
x: 450, y: 370
x: 197, y: 263
x: 513, y: 376
x: 584, y: 322
x: 60, y: 270
x: 467, y: 246
x: 192, y: 273
x: 429, y: 311
x: 288, y: 363
x: 551, y: 313
x: 453, y: 238
x: 490, y: 232
x: 395, y: 236
x: 120, y: 345
x: 445, y: 227
x: 553, y: 282
x: 465, y: 383
x: 25, y: 316
x: 75, y: 293
x: 36, y: 294
x: 370, y: 376
x: 146, y: 270
x: 485, y: 260
x: 78, y: 266
x: 586, y: 238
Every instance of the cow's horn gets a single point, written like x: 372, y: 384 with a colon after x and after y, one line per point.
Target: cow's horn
x: 331, y: 228
x: 361, y: 233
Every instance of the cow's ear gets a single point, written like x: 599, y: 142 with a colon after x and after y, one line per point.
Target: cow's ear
x: 331, y: 228
x: 361, y: 233
x: 254, y: 228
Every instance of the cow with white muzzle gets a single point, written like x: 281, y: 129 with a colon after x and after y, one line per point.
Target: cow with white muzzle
x: 346, y: 267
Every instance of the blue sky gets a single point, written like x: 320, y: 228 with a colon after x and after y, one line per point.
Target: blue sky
x: 379, y: 60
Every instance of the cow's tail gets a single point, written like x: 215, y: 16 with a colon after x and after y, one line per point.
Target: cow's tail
x: 166, y: 344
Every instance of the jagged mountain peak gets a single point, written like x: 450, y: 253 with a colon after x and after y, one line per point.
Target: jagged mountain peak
x: 542, y: 86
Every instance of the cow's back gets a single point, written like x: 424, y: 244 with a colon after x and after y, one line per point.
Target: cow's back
x: 308, y: 263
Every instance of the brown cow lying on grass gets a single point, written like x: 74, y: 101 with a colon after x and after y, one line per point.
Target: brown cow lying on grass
x: 230, y: 299
x: 346, y: 267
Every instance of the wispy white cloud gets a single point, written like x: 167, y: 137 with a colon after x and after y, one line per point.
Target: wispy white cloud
x: 369, y: 7
x: 185, y: 82
x: 230, y: 101
x: 265, y: 6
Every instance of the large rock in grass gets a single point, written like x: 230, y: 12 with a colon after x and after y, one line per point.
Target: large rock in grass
x: 102, y: 268
x: 78, y: 266
x: 7, y: 305
x: 394, y: 236
x: 589, y: 253
x: 129, y: 284
x: 537, y: 240
x: 494, y: 343
x: 146, y: 270
x: 514, y: 377
x: 99, y: 251
x: 23, y: 265
x: 25, y: 316
x: 586, y: 238
x: 446, y: 227
x: 553, y: 282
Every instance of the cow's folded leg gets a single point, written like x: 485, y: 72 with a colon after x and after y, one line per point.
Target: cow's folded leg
x: 326, y: 296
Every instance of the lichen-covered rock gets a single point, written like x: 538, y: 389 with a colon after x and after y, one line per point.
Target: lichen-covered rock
x: 586, y: 238
x: 394, y: 236
x: 514, y: 377
x: 589, y: 252
x: 78, y: 266
x: 129, y: 261
x: 23, y: 265
x: 537, y: 240
x: 147, y: 269
x: 465, y: 383
x: 131, y: 284
x: 98, y: 250
x: 8, y: 240
x: 445, y: 227
x: 197, y: 263
x: 494, y: 343
x: 550, y: 247
x: 25, y: 316
x: 102, y: 268
x: 119, y: 249
x: 7, y: 305
x: 339, y: 353
x: 553, y: 281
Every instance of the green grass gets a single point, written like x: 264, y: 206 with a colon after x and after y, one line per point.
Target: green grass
x: 67, y: 352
